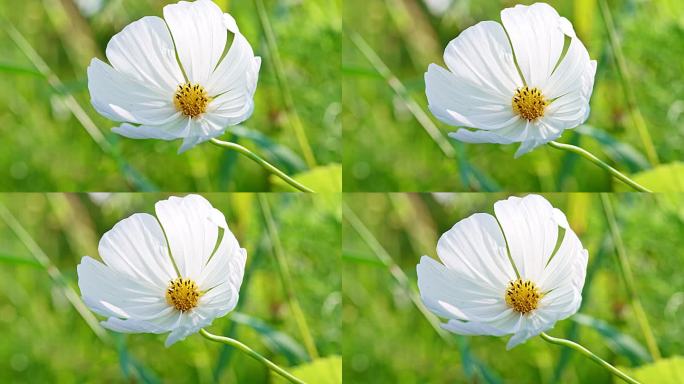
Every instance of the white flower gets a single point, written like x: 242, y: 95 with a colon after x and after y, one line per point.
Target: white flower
x: 483, y: 291
x: 142, y: 288
x: 195, y: 96
x: 527, y: 94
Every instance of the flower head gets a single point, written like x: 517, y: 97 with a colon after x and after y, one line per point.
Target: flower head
x: 170, y: 273
x: 485, y: 290
x: 526, y: 81
x: 169, y: 78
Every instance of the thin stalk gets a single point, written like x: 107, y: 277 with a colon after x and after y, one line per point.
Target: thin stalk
x: 265, y: 164
x: 252, y: 353
x: 400, y: 90
x: 589, y: 354
x: 628, y: 278
x: 589, y: 156
x: 623, y: 76
x: 55, y: 274
x: 293, y: 116
x: 394, y: 269
x: 286, y: 278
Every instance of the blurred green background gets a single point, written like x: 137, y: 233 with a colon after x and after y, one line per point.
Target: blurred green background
x: 45, y: 339
x: 47, y: 148
x: 393, y: 143
x: 388, y: 340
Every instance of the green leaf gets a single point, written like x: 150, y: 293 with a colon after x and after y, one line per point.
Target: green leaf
x: 663, y: 178
x: 16, y: 260
x: 18, y: 69
x: 326, y: 370
x: 618, y: 342
x: 326, y: 178
x: 664, y: 371
x: 362, y: 259
x: 276, y: 341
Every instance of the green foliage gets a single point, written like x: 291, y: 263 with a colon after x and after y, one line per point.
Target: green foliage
x: 665, y: 177
x: 46, y: 340
x: 321, y: 179
x: 327, y: 370
x: 666, y: 371
x: 46, y: 148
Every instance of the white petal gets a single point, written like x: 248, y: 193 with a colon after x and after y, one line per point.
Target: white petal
x: 455, y: 295
x: 473, y: 328
x: 164, y: 323
x: 120, y: 97
x: 536, y: 33
x: 531, y: 230
x: 200, y: 130
x: 569, y: 260
x: 567, y: 78
x: 536, y: 134
x: 190, y: 323
x: 200, y: 35
x: 238, y: 71
x: 191, y: 227
x: 136, y: 247
x: 561, y: 303
x: 145, y: 52
x: 475, y: 247
x: 531, y: 325
x: 515, y: 132
x: 111, y: 293
x: 479, y: 89
x: 176, y: 129
x: 226, y: 262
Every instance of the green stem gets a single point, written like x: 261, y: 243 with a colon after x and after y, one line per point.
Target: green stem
x: 286, y: 279
x: 252, y: 353
x: 628, y: 278
x: 265, y: 164
x: 589, y: 156
x: 589, y: 354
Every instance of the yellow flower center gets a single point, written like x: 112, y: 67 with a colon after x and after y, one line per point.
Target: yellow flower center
x: 183, y: 294
x: 523, y: 296
x: 529, y: 103
x: 191, y: 99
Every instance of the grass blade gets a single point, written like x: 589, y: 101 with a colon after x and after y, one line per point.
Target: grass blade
x: 277, y: 64
x: 57, y: 278
x: 286, y: 278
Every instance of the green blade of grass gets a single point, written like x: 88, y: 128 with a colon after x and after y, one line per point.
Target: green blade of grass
x: 18, y: 260
x: 137, y: 179
x: 55, y: 274
x: 625, y: 79
x: 286, y: 278
x: 278, y: 69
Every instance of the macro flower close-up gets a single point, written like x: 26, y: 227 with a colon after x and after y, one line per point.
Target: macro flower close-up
x: 174, y: 273
x: 176, y: 78
x: 525, y: 81
x: 514, y: 274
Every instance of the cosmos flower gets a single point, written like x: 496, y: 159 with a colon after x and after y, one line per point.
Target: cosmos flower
x: 167, y: 273
x: 485, y: 290
x: 513, y: 83
x: 169, y: 78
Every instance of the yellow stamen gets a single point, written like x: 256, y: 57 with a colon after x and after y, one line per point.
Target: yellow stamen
x: 523, y: 296
x: 183, y: 294
x: 529, y: 103
x: 191, y: 100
